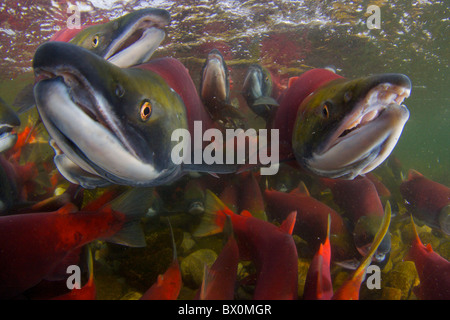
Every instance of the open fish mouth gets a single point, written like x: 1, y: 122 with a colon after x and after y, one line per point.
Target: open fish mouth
x: 367, y: 135
x: 8, y: 137
x: 138, y: 42
x: 80, y: 122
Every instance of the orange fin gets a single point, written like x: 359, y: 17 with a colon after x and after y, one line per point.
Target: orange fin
x: 68, y: 208
x: 288, y: 224
x: 246, y: 213
x: 291, y: 81
x: 214, y: 218
x: 414, y: 174
x: 350, y: 288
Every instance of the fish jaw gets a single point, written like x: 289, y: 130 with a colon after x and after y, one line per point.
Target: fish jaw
x: 8, y: 138
x: 95, y: 144
x: 97, y: 130
x: 140, y: 51
x: 367, y: 124
x: 129, y: 40
x: 253, y: 83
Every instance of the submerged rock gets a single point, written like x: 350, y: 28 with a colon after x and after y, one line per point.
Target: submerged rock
x: 192, y: 266
x: 403, y: 277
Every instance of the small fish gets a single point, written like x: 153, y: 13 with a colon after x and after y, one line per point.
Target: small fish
x: 339, y: 128
x: 433, y: 270
x: 115, y: 125
x: 9, y: 121
x: 271, y: 248
x: 427, y: 200
x: 219, y: 281
x: 361, y: 204
x: 349, y: 290
x: 168, y: 285
x: 45, y: 238
x: 318, y: 284
x: 126, y: 41
x: 312, y: 220
x: 257, y: 91
x: 194, y: 196
x: 215, y: 89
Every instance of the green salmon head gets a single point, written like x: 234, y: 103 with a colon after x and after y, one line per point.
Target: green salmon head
x: 112, y: 123
x: 348, y: 127
x: 8, y: 121
x: 128, y: 40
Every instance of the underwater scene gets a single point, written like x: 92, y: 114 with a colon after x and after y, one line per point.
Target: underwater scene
x: 224, y: 150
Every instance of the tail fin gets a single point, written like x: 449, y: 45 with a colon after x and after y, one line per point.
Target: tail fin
x: 360, y: 271
x: 214, y: 218
x: 288, y: 224
x: 134, y: 204
x: 350, y: 288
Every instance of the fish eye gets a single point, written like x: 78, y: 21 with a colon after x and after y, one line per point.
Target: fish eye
x: 325, y: 111
x: 146, y: 110
x: 347, y: 96
x: 120, y: 91
x: 95, y: 41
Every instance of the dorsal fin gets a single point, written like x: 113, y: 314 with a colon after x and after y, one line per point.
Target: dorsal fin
x: 288, y: 224
x: 68, y: 208
x: 301, y: 190
x: 292, y: 80
x: 246, y: 213
x: 414, y: 174
x: 213, y: 220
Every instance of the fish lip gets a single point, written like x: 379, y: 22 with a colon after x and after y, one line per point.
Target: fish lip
x: 118, y: 155
x: 86, y: 98
x: 367, y: 112
x: 76, y: 83
x: 148, y: 21
x: 69, y: 75
x: 6, y: 129
x: 8, y: 137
